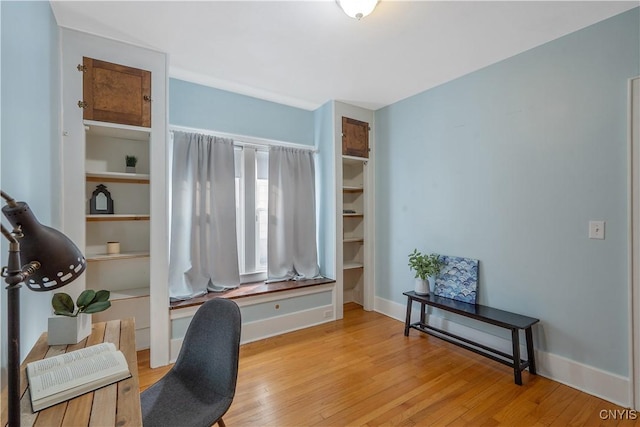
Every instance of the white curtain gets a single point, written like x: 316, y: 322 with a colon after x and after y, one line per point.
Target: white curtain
x: 292, y: 252
x: 203, y: 251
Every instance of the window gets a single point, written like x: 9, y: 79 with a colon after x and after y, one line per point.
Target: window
x: 252, y: 198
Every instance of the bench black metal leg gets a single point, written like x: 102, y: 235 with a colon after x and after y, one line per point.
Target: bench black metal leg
x: 530, y: 354
x: 407, y: 320
x: 515, y: 342
x: 423, y: 312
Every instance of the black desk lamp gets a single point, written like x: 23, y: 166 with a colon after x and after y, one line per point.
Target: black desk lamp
x: 53, y: 261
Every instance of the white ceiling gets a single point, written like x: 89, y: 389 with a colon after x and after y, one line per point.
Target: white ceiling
x: 304, y: 53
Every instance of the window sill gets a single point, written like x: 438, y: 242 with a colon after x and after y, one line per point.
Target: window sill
x: 251, y: 289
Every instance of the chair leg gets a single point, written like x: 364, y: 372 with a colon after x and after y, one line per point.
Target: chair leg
x: 220, y: 423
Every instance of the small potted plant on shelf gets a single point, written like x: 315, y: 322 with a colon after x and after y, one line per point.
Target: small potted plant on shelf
x: 70, y: 325
x: 131, y: 162
x: 425, y: 266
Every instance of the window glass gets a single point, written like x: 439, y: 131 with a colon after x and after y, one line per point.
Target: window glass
x: 262, y: 203
x: 252, y: 200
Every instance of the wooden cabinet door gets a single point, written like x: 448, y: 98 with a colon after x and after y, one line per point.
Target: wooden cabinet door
x: 116, y: 94
x: 355, y: 138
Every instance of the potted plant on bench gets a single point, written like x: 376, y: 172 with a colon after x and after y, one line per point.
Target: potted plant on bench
x: 425, y: 266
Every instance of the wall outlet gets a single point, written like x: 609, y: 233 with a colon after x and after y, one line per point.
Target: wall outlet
x: 596, y: 230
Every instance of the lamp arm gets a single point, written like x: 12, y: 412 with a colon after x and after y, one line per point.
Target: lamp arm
x: 14, y: 272
x: 13, y: 276
x: 10, y: 200
x: 10, y: 237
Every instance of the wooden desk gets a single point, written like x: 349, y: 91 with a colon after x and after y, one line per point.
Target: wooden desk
x: 116, y: 404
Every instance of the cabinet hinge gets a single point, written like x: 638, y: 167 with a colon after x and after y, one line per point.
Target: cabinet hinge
x: 82, y: 68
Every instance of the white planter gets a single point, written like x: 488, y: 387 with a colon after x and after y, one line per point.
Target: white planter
x: 130, y: 169
x: 68, y: 330
x: 421, y: 287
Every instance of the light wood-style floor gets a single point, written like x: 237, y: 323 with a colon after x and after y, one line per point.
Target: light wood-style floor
x: 363, y: 371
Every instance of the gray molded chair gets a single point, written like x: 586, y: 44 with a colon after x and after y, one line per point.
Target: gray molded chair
x: 199, y: 388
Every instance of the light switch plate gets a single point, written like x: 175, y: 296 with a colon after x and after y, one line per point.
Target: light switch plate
x: 596, y: 230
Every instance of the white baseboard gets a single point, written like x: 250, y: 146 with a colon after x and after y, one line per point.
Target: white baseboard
x: 278, y: 325
x: 605, y: 385
x: 599, y: 383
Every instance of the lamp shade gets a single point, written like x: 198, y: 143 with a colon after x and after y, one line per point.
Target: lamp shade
x: 357, y: 9
x: 61, y: 262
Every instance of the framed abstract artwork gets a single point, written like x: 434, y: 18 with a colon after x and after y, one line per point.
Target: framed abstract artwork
x: 458, y: 279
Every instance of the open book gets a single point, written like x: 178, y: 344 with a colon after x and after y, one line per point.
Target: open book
x: 59, y: 378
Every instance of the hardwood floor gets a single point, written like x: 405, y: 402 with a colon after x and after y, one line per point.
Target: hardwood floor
x: 363, y: 371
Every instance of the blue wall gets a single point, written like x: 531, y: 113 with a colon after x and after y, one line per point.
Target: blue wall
x: 30, y: 144
x: 203, y: 107
x: 508, y: 165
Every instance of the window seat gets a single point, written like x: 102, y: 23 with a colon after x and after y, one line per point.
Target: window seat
x: 250, y: 290
x: 268, y: 309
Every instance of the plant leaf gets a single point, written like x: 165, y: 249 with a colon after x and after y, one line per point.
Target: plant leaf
x: 65, y: 313
x: 62, y: 303
x: 85, y: 298
x: 102, y: 295
x: 96, y: 307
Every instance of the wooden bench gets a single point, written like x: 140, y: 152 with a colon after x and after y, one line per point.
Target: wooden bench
x: 504, y: 319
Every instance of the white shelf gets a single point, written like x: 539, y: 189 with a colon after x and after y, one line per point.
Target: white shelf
x: 117, y: 176
x: 122, y: 294
x: 116, y: 130
x: 354, y: 158
x: 118, y: 217
x: 352, y: 265
x: 352, y: 189
x: 113, y: 257
x: 353, y: 240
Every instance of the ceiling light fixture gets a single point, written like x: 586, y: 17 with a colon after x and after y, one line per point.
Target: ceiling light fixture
x: 357, y: 9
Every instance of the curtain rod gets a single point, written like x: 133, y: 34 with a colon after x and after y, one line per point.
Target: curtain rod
x: 244, y: 140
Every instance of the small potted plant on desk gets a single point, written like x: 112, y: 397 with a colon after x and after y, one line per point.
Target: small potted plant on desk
x: 71, y: 325
x: 425, y: 266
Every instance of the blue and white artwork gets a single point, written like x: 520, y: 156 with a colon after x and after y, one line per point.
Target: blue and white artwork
x: 458, y: 279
